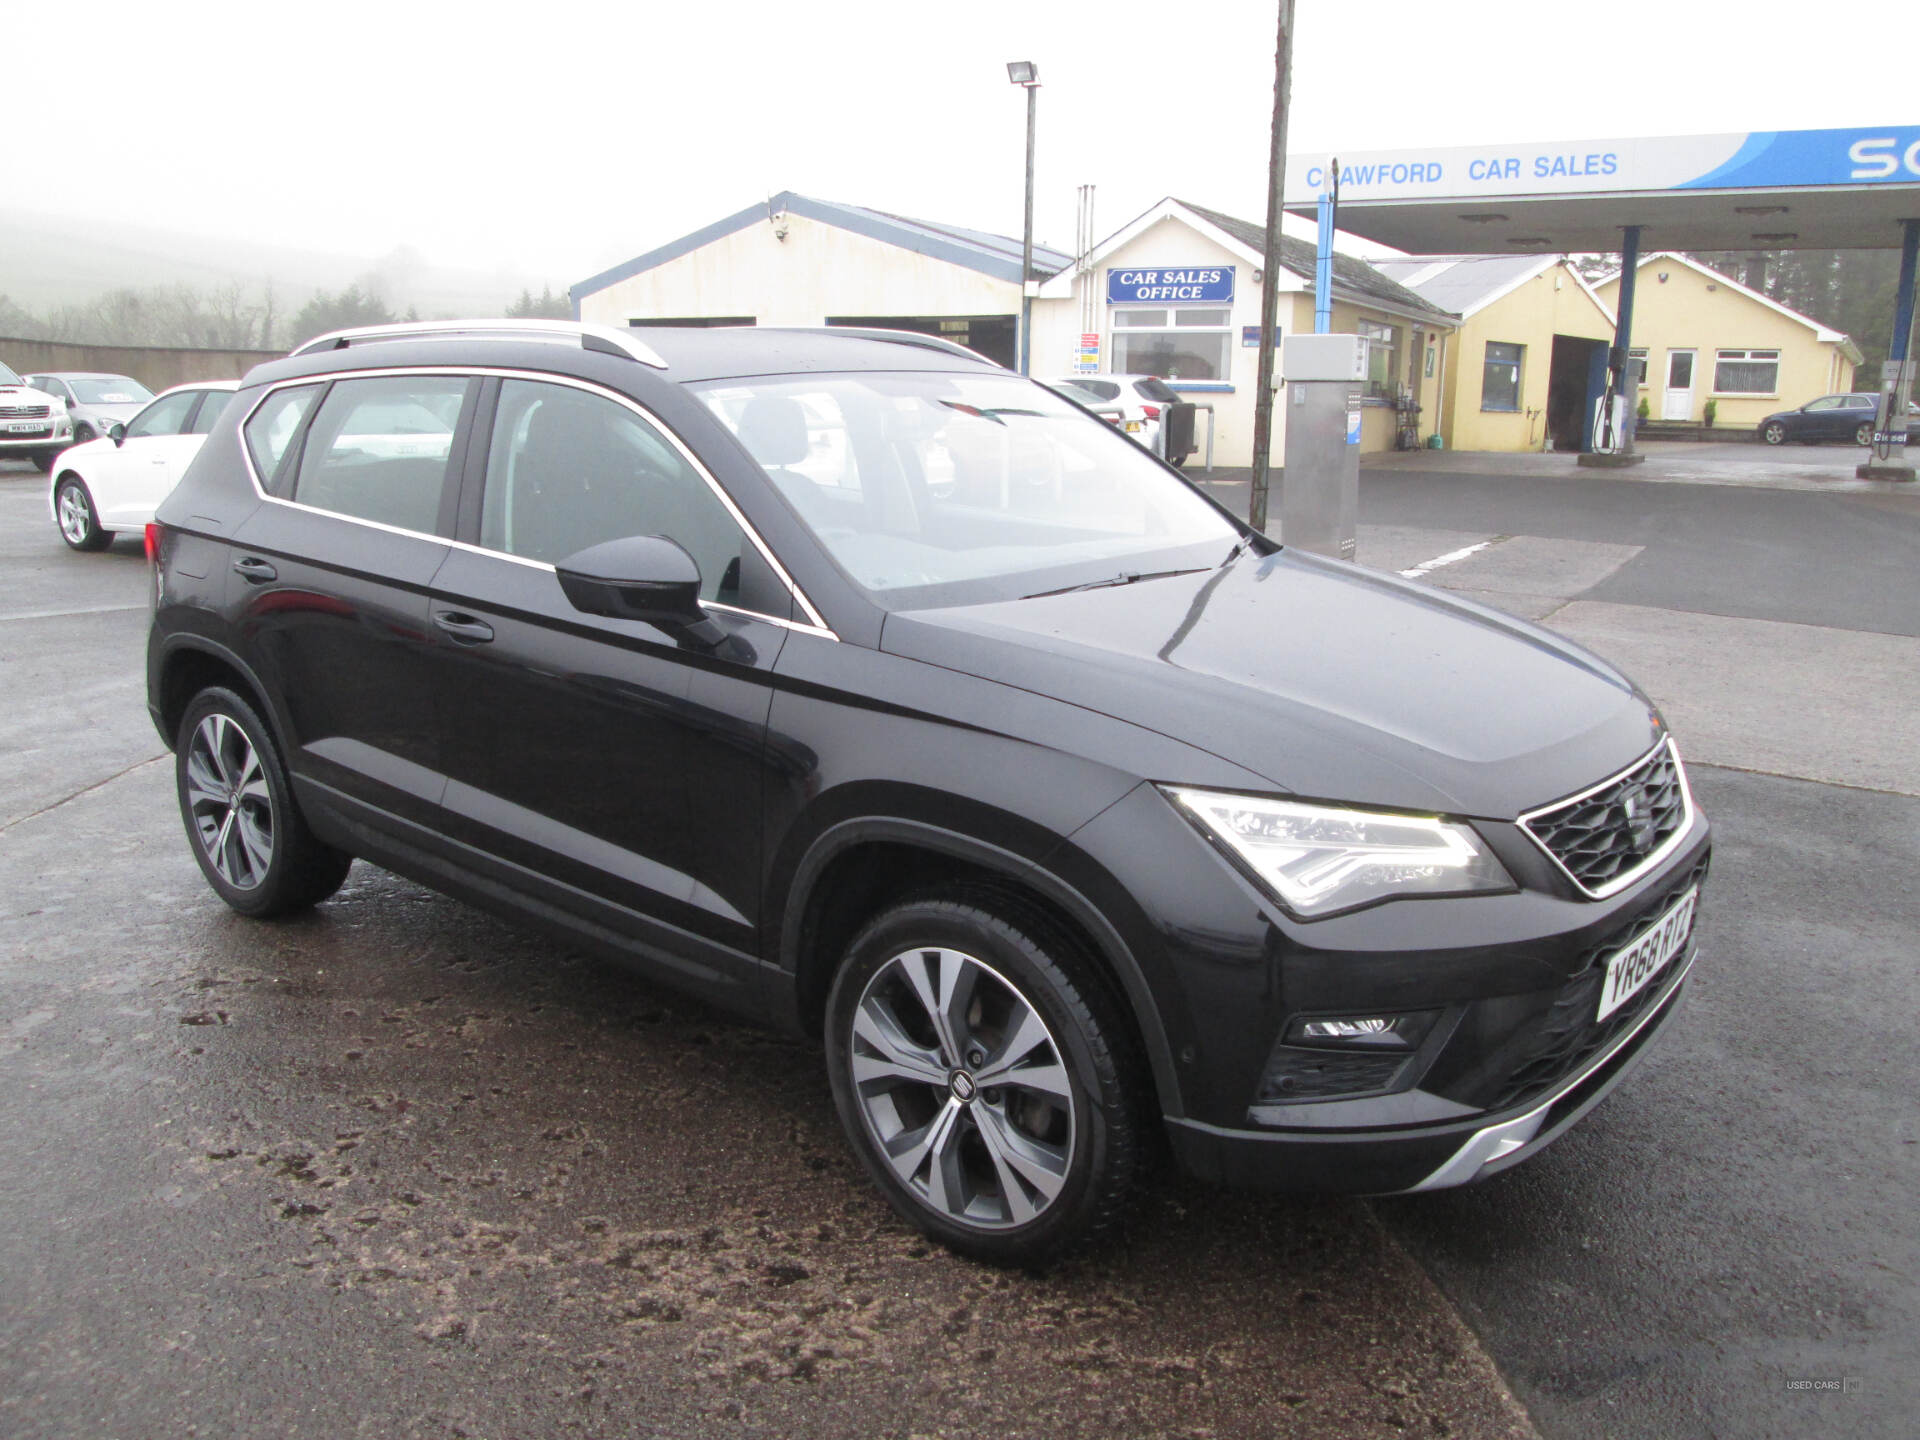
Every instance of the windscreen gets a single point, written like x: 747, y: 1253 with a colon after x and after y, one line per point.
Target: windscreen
x: 7, y: 377
x: 110, y: 390
x: 941, y: 488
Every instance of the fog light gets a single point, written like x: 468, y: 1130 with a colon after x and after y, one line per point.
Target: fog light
x: 1363, y: 1032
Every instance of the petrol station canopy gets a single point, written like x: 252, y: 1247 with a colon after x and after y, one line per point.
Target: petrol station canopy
x: 1764, y: 190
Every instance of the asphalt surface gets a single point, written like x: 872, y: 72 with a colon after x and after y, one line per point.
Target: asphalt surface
x: 396, y: 1168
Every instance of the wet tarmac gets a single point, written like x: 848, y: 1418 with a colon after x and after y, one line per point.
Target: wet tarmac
x: 396, y: 1168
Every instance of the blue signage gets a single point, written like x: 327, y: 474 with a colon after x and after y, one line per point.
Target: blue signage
x: 1194, y: 283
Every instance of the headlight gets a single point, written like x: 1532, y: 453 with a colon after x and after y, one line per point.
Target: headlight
x: 1321, y: 859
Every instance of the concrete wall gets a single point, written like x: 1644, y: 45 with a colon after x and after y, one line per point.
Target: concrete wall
x: 1697, y: 311
x: 817, y: 271
x: 153, y: 367
x: 1552, y: 303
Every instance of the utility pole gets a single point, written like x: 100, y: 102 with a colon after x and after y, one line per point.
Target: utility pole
x: 1270, y: 272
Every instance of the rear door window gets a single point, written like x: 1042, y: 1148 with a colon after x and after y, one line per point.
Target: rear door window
x: 378, y: 448
x: 1157, y: 391
x: 212, y: 402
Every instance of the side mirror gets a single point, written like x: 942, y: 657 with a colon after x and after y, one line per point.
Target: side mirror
x: 117, y: 432
x: 641, y: 577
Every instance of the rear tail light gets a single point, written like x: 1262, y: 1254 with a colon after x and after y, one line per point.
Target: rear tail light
x: 1152, y: 412
x: 153, y: 541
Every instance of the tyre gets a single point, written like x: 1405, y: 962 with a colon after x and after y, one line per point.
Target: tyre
x: 984, y: 1077
x: 44, y: 460
x: 245, y: 829
x: 1863, y: 433
x: 1774, y: 433
x: 79, y: 525
x: 83, y: 433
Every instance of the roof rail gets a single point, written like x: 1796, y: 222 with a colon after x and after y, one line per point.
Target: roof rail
x: 602, y: 338
x: 891, y: 337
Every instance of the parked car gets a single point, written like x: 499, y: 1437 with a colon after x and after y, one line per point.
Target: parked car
x: 33, y: 424
x: 95, y: 402
x: 1059, y: 814
x: 1142, y: 398
x: 1833, y: 417
x: 114, y: 483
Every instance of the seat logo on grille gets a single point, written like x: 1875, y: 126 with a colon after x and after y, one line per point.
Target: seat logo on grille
x: 1639, y: 819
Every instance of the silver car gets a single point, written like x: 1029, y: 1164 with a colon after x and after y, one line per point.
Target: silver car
x: 95, y: 400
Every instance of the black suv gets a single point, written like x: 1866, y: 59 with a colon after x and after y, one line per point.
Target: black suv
x: 861, y: 687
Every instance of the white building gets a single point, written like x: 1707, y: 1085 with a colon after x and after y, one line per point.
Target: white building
x: 1175, y: 293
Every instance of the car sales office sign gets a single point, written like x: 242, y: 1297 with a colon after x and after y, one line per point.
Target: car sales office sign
x: 1187, y: 285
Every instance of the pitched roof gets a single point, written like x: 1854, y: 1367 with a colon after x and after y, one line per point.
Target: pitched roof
x: 1352, y: 275
x: 977, y: 250
x: 1826, y: 334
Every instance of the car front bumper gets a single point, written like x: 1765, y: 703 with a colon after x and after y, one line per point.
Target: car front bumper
x: 1427, y: 1157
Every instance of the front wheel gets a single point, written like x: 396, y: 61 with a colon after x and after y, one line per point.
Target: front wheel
x: 1774, y: 433
x: 1863, y: 433
x: 984, y: 1077
x: 79, y: 524
x: 252, y: 843
x: 83, y: 433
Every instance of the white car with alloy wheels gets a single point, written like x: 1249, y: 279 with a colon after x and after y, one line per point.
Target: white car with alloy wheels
x: 114, y: 483
x: 33, y: 424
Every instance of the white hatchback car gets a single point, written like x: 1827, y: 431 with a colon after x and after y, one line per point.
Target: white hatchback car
x: 115, y: 483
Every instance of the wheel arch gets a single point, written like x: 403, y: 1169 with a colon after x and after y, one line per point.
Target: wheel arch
x: 860, y: 865
x: 192, y: 664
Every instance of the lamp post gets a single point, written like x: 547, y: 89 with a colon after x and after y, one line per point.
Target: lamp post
x: 1026, y: 74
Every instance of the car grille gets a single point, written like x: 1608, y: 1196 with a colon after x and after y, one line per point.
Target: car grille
x: 1569, y: 1036
x: 24, y: 412
x: 1604, y: 838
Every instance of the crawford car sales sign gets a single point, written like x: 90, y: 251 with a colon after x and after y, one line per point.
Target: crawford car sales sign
x: 1148, y: 287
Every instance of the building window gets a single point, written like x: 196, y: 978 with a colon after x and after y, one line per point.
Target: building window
x: 1500, y: 377
x: 1182, y: 342
x: 1383, y: 344
x: 1637, y: 362
x: 1746, y: 372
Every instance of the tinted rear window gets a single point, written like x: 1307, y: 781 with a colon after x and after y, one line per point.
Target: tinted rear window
x: 1158, y: 391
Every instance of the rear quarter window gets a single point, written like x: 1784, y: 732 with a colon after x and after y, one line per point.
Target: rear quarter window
x: 271, y: 428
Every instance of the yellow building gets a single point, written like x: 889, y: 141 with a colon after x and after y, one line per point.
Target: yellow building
x: 1699, y: 335
x: 1527, y: 367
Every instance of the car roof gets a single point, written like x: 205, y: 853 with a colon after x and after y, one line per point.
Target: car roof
x: 199, y: 385
x: 694, y: 354
x: 85, y: 375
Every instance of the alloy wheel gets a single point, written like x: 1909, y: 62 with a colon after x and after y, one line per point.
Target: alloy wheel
x: 76, y: 519
x: 963, y: 1088
x: 230, y: 802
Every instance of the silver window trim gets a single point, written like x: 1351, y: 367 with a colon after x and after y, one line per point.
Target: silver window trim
x: 1654, y: 857
x: 814, y: 625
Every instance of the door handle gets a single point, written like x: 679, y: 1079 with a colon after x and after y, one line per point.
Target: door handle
x: 464, y: 628
x: 255, y: 570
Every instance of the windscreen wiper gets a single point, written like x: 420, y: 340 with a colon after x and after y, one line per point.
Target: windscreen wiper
x: 1125, y: 577
x: 1237, y: 551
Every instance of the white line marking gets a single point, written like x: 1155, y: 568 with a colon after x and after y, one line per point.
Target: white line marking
x: 62, y: 614
x: 1447, y: 559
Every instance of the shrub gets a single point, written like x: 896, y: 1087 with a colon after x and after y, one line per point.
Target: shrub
x: 1713, y: 407
x: 1645, y: 412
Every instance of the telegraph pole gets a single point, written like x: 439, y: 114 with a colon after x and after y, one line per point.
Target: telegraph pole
x: 1270, y: 273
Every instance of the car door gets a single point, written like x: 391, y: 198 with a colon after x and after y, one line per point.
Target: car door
x: 124, y: 477
x: 329, y: 585
x: 608, y: 766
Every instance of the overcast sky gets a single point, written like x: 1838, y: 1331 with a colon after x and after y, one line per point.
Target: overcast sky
x: 558, y: 138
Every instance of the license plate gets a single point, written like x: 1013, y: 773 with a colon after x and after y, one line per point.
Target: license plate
x: 19, y: 427
x: 1631, y: 970
x: 1134, y: 427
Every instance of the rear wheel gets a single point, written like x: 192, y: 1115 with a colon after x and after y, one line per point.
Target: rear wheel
x: 252, y: 843
x: 1774, y: 433
x: 984, y: 1077
x: 79, y: 525
x: 1863, y: 433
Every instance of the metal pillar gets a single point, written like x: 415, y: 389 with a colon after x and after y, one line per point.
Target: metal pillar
x: 1026, y: 247
x: 1621, y: 382
x: 1323, y: 254
x: 1889, y: 458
